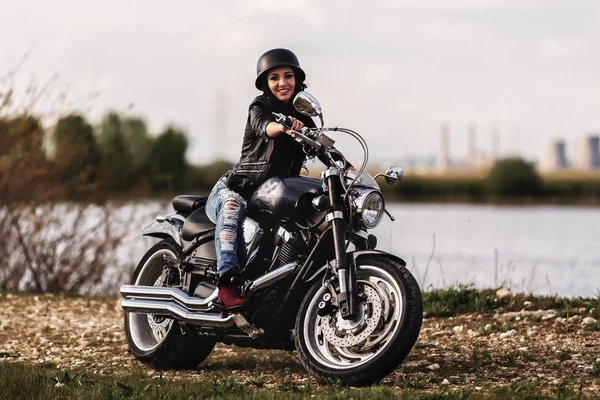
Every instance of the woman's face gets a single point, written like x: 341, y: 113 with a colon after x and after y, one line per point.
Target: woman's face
x: 282, y: 82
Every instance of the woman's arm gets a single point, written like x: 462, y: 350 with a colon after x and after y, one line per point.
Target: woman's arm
x: 274, y: 129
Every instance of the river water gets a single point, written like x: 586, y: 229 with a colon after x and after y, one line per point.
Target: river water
x: 536, y: 249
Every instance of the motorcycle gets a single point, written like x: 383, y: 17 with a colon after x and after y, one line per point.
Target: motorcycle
x: 313, y: 279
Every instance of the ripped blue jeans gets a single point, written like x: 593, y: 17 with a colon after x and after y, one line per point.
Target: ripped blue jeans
x: 225, y: 208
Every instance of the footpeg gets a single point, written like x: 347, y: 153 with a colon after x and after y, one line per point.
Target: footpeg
x: 215, y: 306
x: 247, y: 327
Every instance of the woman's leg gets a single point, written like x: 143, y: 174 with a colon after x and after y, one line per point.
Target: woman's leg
x: 226, y: 209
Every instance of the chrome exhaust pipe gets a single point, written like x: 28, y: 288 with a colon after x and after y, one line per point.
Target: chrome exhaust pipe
x: 201, y: 318
x: 168, y: 294
x: 271, y: 278
x: 178, y: 312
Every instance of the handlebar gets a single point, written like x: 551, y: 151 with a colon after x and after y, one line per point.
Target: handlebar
x: 313, y: 138
x: 300, y: 136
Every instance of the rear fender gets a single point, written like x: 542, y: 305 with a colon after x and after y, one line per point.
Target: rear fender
x: 353, y: 257
x: 165, y: 227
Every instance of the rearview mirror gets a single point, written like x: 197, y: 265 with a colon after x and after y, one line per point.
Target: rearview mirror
x: 307, y: 104
x: 393, y: 175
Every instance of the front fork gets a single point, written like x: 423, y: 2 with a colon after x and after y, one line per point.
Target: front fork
x: 346, y: 271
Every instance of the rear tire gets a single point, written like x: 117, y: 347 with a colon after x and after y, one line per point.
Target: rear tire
x: 363, y: 351
x: 155, y: 340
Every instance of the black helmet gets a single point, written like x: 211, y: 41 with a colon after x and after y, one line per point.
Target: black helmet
x: 278, y: 58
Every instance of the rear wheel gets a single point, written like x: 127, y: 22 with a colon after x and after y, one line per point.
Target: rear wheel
x: 364, y: 350
x: 154, y: 339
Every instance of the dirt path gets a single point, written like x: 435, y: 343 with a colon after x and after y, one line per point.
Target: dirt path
x: 469, y: 352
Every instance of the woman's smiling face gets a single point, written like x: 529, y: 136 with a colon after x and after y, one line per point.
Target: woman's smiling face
x: 282, y: 82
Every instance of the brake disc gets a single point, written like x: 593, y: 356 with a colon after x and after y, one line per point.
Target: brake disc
x: 344, y: 333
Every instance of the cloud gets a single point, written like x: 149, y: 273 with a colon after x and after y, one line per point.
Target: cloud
x: 558, y: 48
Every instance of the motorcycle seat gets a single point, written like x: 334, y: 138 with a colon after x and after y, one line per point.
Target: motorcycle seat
x: 188, y: 203
x: 196, y: 223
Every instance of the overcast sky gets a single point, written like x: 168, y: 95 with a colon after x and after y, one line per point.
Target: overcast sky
x: 392, y: 70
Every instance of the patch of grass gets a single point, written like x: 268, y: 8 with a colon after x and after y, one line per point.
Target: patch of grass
x: 415, y: 382
x: 421, y: 344
x: 455, y: 347
x: 464, y: 298
x: 595, y: 327
x: 569, y: 391
x: 459, y: 299
x: 257, y: 380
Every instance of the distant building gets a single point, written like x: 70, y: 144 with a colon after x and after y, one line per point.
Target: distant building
x: 443, y: 151
x: 587, y: 155
x: 555, y: 157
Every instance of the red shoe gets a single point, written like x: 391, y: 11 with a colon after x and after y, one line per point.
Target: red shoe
x: 229, y: 293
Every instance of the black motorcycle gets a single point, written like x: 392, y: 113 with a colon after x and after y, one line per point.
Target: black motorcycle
x: 313, y: 278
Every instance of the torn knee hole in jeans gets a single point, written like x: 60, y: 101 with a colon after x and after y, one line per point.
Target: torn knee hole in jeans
x: 231, y: 207
x: 227, y: 237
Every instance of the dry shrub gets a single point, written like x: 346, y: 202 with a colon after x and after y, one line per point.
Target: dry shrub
x: 47, y: 242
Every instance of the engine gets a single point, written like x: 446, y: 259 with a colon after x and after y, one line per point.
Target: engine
x: 292, y: 246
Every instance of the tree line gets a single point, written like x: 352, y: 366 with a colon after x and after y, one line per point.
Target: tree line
x: 76, y: 160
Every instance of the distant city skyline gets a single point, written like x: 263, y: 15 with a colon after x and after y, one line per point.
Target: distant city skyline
x: 391, y: 70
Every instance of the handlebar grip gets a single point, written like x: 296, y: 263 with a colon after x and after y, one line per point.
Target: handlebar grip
x: 287, y: 123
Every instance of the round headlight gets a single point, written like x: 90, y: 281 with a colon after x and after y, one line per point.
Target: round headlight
x: 370, y: 205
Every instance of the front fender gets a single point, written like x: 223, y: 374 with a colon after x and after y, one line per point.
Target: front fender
x: 165, y: 227
x: 353, y: 257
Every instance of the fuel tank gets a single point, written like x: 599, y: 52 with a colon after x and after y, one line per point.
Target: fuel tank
x: 285, y: 198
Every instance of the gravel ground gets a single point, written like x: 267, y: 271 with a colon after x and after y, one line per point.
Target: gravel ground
x: 474, y: 352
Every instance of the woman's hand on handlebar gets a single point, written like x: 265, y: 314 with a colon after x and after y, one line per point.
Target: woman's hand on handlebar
x: 296, y: 126
x: 275, y: 128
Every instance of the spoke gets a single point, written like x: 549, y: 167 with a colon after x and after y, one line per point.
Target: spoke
x: 356, y: 357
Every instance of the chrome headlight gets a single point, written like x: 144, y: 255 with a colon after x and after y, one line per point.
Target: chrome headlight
x: 369, y: 206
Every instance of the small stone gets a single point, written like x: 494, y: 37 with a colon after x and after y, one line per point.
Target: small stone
x: 576, y: 356
x: 445, y: 382
x: 472, y: 334
x: 527, y: 304
x: 509, y: 334
x: 549, y: 315
x: 531, y: 333
x: 433, y: 367
x: 478, y: 387
x: 502, y: 294
x: 440, y: 333
x: 589, y: 321
x: 458, y: 328
x: 523, y: 349
x: 598, y: 360
x: 575, y: 319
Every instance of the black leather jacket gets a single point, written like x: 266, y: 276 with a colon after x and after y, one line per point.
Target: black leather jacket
x: 264, y: 157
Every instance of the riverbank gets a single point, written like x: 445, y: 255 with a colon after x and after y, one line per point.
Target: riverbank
x: 516, y: 347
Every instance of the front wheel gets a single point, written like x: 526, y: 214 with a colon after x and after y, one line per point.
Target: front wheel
x: 157, y: 340
x: 362, y: 351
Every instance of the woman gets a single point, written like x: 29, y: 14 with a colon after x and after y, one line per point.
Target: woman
x: 267, y: 151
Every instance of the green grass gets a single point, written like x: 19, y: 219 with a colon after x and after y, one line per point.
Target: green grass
x: 459, y: 299
x: 463, y: 298
x: 21, y: 381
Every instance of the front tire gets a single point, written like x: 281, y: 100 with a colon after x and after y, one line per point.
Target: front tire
x: 156, y: 340
x: 363, y: 351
